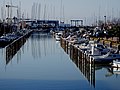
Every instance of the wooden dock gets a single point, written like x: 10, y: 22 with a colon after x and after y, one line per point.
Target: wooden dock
x: 14, y: 47
x: 75, y: 52
x: 82, y: 61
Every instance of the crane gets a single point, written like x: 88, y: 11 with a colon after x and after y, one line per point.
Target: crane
x: 10, y: 6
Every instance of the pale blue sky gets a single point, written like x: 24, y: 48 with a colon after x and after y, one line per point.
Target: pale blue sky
x: 73, y: 9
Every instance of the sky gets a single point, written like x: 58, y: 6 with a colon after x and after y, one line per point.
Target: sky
x: 65, y: 10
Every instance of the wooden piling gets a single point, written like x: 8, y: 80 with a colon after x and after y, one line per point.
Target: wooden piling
x: 82, y: 60
x: 12, y: 48
x: 110, y: 44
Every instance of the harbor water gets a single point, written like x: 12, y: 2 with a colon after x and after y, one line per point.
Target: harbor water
x: 40, y: 63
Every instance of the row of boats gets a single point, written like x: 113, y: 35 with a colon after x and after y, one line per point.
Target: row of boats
x: 94, y: 49
x: 10, y: 37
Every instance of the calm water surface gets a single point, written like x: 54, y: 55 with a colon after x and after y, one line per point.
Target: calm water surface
x: 41, y: 64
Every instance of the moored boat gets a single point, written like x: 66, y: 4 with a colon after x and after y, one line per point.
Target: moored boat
x: 4, y: 41
x: 58, y: 36
x: 108, y: 58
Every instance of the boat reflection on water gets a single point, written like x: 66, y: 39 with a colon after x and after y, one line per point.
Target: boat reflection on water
x: 13, y: 48
x: 89, y: 70
x: 112, y: 71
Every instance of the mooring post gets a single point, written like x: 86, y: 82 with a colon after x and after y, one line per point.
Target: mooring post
x: 103, y: 42
x: 67, y: 46
x: 73, y: 49
x: 80, y: 56
x: 61, y: 41
x: 110, y: 44
x: 118, y: 48
x: 70, y: 51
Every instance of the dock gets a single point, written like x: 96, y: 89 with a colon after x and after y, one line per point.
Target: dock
x: 84, y: 62
x: 13, y: 48
x: 75, y: 52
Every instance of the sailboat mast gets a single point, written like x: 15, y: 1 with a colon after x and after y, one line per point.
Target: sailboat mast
x: 61, y: 11
x: 44, y: 17
x: 3, y: 11
x: 32, y: 12
x: 39, y: 11
x: 19, y: 11
x: 36, y: 13
x: 11, y: 13
x: 2, y: 16
x: 54, y: 12
x: 63, y: 14
x: 99, y: 12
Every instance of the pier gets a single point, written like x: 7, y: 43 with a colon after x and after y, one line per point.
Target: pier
x: 75, y: 52
x: 82, y: 61
x: 13, y: 48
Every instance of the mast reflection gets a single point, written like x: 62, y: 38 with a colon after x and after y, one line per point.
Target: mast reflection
x: 14, y: 47
x: 40, y: 43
